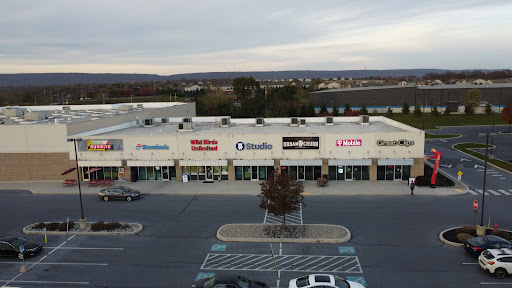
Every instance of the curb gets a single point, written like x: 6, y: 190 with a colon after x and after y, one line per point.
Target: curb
x: 457, y: 182
x: 449, y: 242
x: 104, y: 233
x: 488, y: 163
x: 284, y: 240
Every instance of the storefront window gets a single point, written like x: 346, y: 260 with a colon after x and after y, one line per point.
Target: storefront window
x: 332, y: 172
x: 389, y: 172
x: 224, y: 172
x: 365, y: 173
x: 239, y: 173
x: 142, y: 173
x: 201, y: 172
x: 193, y: 172
x: 317, y: 172
x: 262, y: 173
x: 115, y: 173
x: 357, y: 172
x: 247, y: 172
x: 158, y: 173
x: 270, y: 171
x: 340, y: 170
x: 309, y: 173
x: 406, y: 172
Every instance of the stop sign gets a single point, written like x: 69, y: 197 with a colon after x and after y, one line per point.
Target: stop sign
x: 475, y: 204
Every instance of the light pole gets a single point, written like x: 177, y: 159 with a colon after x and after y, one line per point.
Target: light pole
x: 481, y: 228
x: 83, y: 221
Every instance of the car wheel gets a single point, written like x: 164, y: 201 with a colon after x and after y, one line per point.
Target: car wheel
x: 129, y: 198
x: 20, y: 256
x: 105, y: 198
x: 500, y: 273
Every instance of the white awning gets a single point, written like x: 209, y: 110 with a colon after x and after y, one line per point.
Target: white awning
x: 203, y: 163
x: 301, y: 162
x: 133, y: 163
x: 254, y: 162
x: 100, y: 163
x: 343, y: 162
x: 403, y: 161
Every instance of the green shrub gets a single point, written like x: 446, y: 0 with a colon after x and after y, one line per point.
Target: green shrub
x: 463, y: 237
x: 435, y: 112
x: 447, y: 111
x: 102, y: 226
x: 417, y: 111
x: 52, y: 226
x: 112, y: 226
x: 467, y: 229
x: 405, y: 109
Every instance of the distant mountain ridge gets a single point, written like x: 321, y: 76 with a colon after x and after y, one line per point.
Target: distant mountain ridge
x: 43, y: 79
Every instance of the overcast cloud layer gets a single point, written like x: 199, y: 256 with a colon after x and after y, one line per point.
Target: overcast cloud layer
x: 172, y: 37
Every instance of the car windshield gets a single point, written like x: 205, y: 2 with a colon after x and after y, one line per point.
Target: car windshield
x: 488, y: 255
x: 302, y: 281
x: 243, y: 282
x: 340, y: 283
x: 18, y: 241
x: 478, y: 240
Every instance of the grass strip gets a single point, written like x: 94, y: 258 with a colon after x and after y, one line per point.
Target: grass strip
x: 446, y: 136
x: 465, y: 147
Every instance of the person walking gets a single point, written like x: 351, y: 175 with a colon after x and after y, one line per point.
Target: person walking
x: 412, y: 188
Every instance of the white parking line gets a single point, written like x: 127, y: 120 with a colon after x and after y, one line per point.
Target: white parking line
x: 86, y: 248
x: 44, y: 282
x: 495, y: 283
x: 48, y: 263
x: 39, y: 260
x: 471, y: 263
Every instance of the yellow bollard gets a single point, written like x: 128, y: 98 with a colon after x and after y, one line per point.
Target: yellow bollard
x: 489, y: 225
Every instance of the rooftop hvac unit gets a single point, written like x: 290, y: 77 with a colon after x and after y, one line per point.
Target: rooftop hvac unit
x: 294, y: 121
x: 364, y: 120
x: 329, y: 120
x: 165, y: 120
x: 140, y: 106
x: 185, y: 126
x: 225, y: 122
x: 65, y: 108
x: 302, y: 122
x: 259, y: 121
x: 187, y: 120
x: 149, y: 122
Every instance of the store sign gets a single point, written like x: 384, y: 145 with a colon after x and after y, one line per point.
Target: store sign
x: 350, y: 142
x: 401, y: 142
x: 301, y: 142
x: 100, y: 145
x: 240, y: 146
x: 204, y: 145
x: 151, y: 147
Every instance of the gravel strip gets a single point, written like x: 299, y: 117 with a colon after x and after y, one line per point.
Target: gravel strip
x: 293, y: 233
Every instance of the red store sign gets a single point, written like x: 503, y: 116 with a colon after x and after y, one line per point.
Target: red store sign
x: 203, y: 145
x: 349, y: 142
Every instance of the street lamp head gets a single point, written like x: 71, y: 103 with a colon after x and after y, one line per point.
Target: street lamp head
x: 70, y: 140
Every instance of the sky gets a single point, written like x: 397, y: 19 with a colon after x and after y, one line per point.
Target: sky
x: 175, y: 37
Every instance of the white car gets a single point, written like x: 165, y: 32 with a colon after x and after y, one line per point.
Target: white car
x: 322, y: 280
x: 497, y: 261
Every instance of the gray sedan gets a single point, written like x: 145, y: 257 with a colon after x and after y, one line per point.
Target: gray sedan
x: 120, y: 192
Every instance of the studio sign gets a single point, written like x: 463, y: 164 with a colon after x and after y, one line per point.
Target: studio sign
x: 401, y: 142
x: 250, y: 146
x: 151, y: 147
x: 301, y: 142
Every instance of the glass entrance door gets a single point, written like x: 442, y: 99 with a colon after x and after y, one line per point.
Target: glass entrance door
x: 398, y: 172
x: 302, y: 175
x: 348, y: 174
x: 254, y: 173
x: 209, y: 173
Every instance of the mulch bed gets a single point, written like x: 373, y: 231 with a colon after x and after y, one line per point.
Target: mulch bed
x: 441, y: 180
x: 451, y: 235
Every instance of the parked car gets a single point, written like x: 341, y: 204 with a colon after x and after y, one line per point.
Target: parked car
x: 322, y: 280
x: 10, y: 246
x: 119, y: 192
x: 475, y: 246
x: 497, y: 261
x: 231, y: 281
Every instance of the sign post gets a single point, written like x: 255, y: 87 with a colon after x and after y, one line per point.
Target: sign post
x: 24, y: 268
x: 475, y: 207
x: 67, y: 228
x: 45, y: 241
x: 460, y: 175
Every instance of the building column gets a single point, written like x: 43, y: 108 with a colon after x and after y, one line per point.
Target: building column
x: 373, y: 170
x: 231, y: 170
x: 418, y: 169
x: 277, y: 165
x: 325, y: 167
x: 179, y: 171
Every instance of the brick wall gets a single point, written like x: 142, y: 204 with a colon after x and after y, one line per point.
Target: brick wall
x: 35, y: 166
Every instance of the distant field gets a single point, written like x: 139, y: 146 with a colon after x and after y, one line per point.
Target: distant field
x: 429, y: 122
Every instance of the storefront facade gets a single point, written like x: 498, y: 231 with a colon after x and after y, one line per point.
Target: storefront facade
x: 244, y: 152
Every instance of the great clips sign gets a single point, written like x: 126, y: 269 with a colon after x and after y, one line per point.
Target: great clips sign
x: 349, y: 142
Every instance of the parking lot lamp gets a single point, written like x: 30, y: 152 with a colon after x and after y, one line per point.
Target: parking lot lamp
x: 481, y: 229
x: 83, y: 221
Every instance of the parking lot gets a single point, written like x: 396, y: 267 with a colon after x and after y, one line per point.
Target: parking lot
x: 394, y: 241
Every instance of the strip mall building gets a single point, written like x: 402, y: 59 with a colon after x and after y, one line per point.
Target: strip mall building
x: 148, y: 142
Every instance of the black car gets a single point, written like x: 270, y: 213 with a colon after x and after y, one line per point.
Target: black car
x: 475, y: 246
x: 231, y: 281
x: 120, y: 193
x: 10, y: 246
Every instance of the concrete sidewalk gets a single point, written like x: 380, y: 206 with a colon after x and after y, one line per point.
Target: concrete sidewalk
x: 342, y: 188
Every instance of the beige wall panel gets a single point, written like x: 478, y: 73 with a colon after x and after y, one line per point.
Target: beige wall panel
x: 33, y: 138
